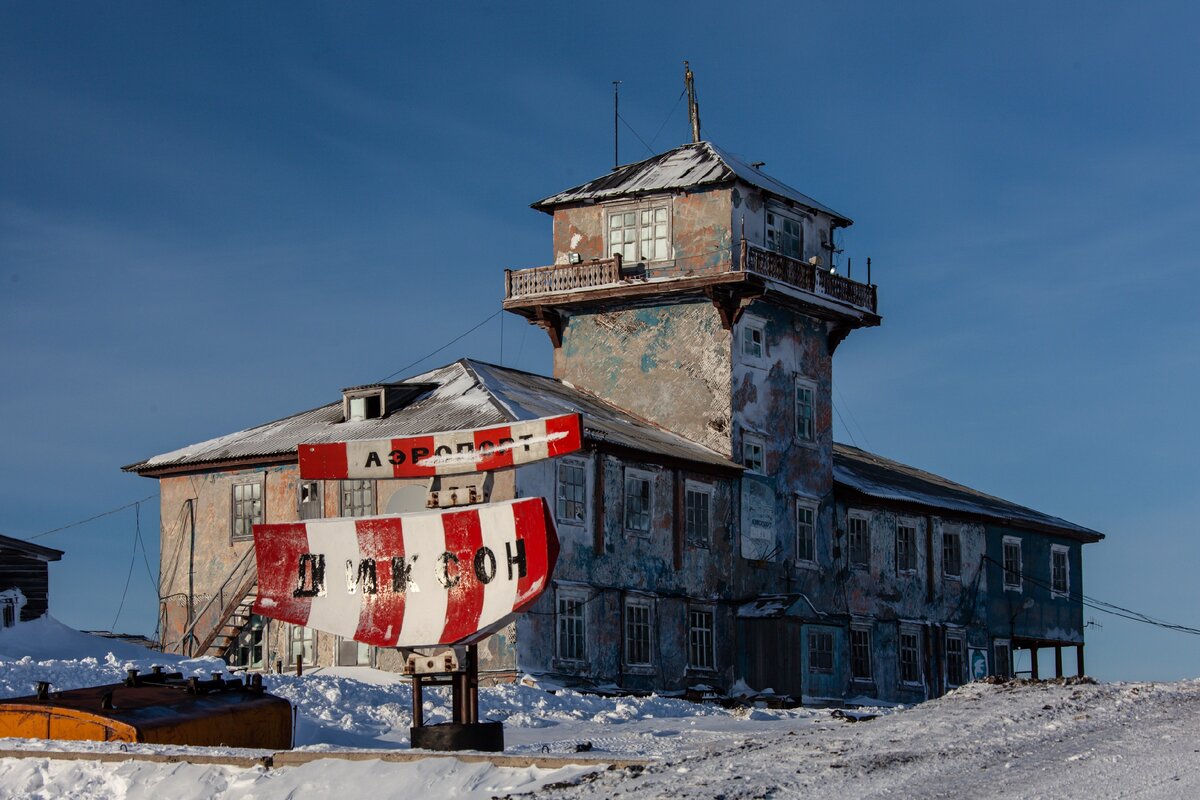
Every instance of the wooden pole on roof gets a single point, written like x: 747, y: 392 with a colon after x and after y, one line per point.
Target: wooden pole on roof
x: 689, y: 83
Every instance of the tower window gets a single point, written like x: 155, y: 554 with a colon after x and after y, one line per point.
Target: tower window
x: 752, y: 341
x: 784, y: 235
x: 752, y: 453
x: 806, y: 428
x: 640, y: 234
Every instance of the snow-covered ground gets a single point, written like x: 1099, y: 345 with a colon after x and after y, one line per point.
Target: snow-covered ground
x: 1008, y: 740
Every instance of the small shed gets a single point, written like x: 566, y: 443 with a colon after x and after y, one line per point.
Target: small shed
x: 24, y: 579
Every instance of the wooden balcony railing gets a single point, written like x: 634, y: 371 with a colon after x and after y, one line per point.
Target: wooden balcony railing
x: 607, y: 272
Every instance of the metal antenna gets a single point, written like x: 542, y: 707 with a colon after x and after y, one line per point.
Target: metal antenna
x: 693, y: 108
x: 616, y: 116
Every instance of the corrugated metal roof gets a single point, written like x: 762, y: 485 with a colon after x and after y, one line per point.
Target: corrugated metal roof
x: 884, y: 479
x: 465, y: 394
x: 696, y: 164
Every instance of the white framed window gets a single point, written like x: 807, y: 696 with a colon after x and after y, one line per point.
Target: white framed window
x: 570, y: 491
x: 910, y: 655
x: 806, y: 532
x: 820, y: 651
x: 951, y: 553
x: 753, y: 340
x: 701, y: 641
x: 638, y: 501
x: 640, y: 234
x: 753, y: 453
x: 1013, y: 572
x: 956, y: 658
x: 358, y: 498
x: 247, y: 508
x: 784, y: 234
x: 697, y: 504
x: 639, y: 631
x: 858, y: 532
x: 906, y: 546
x: 1003, y: 650
x: 860, y: 652
x: 302, y: 645
x: 571, y: 625
x: 1060, y: 571
x: 806, y: 422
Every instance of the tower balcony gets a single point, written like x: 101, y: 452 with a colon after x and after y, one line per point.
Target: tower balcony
x: 600, y: 280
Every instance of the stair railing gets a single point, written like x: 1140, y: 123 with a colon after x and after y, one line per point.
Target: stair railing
x: 227, y: 598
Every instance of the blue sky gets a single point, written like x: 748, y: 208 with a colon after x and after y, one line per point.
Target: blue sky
x: 215, y: 216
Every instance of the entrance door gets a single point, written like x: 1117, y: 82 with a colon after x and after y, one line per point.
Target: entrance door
x: 353, y: 654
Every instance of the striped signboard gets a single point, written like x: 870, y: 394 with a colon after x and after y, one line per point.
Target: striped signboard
x: 449, y: 453
x: 411, y: 580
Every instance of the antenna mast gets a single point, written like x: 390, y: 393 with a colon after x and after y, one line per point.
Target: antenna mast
x: 616, y: 116
x: 693, y: 108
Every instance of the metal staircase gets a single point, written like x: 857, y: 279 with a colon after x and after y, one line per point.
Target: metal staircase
x: 215, y: 626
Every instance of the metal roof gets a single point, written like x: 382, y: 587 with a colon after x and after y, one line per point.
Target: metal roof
x: 27, y: 548
x: 884, y: 479
x: 465, y: 394
x: 695, y: 164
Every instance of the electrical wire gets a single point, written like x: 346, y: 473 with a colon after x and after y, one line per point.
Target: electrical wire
x: 443, y: 347
x: 137, y: 536
x: 638, y: 135
x: 668, y: 117
x: 89, y: 519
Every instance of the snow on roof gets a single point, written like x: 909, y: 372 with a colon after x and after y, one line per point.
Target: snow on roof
x: 884, y: 479
x: 695, y: 164
x: 465, y: 394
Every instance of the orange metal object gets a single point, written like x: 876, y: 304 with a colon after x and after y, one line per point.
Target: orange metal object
x: 166, y: 711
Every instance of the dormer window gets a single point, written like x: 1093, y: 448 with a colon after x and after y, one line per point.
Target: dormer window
x: 368, y: 407
x: 640, y: 234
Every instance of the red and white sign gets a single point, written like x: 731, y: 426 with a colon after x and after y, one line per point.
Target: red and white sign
x: 450, y: 453
x: 410, y: 580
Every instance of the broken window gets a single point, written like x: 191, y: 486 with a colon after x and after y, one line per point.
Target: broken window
x: 752, y: 341
x: 820, y: 651
x: 640, y: 234
x: 860, y: 653
x: 784, y: 235
x: 906, y: 547
x: 637, y: 502
x: 698, y: 514
x: 752, y: 453
x: 1059, y: 573
x: 860, y: 541
x: 572, y: 485
x: 358, y: 498
x: 955, y: 661
x: 639, y: 628
x: 806, y: 532
x: 308, y: 500
x: 247, y: 508
x: 700, y: 639
x: 572, y: 628
x: 1012, y: 563
x: 806, y: 429
x: 951, y: 554
x: 910, y: 656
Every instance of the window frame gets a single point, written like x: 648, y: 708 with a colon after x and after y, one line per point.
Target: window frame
x: 260, y: 483
x: 750, y: 326
x: 912, y: 552
x: 1065, y: 552
x: 639, y: 231
x: 347, y: 510
x: 806, y: 504
x: 635, y: 474
x: 709, y: 647
x: 865, y: 519
x: 959, y: 636
x: 579, y: 597
x: 302, y: 641
x: 1019, y: 584
x: 918, y: 669
x: 757, y: 441
x: 952, y: 533
x: 772, y: 242
x: 573, y: 464
x: 706, y: 490
x: 862, y: 629
x: 809, y: 387
x: 643, y: 604
x: 1002, y: 667
x: 819, y: 635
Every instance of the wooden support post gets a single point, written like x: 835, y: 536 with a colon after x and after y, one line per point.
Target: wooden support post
x: 1033, y: 667
x: 473, y: 683
x: 418, y: 702
x: 1079, y: 660
x: 1058, y: 669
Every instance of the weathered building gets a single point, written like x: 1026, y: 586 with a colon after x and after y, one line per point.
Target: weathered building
x: 24, y: 579
x: 711, y: 530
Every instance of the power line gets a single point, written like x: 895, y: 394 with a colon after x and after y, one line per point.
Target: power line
x: 668, y: 117
x: 635, y: 133
x: 89, y: 519
x: 443, y: 347
x: 137, y: 537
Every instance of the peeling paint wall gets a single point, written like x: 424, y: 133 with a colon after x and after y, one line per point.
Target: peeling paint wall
x: 1050, y: 615
x: 667, y: 363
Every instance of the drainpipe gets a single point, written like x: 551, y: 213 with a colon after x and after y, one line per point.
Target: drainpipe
x: 191, y: 602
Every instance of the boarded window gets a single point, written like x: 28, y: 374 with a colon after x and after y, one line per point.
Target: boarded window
x: 358, y: 498
x: 572, y: 485
x: 700, y: 639
x: 698, y: 516
x: 860, y: 541
x: 308, y: 500
x: 637, y: 503
x: 247, y: 509
x: 571, y: 628
x: 638, y: 633
x: 806, y: 544
x: 860, y: 654
x: 951, y: 554
x: 906, y: 548
x: 820, y: 651
x: 910, y: 657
